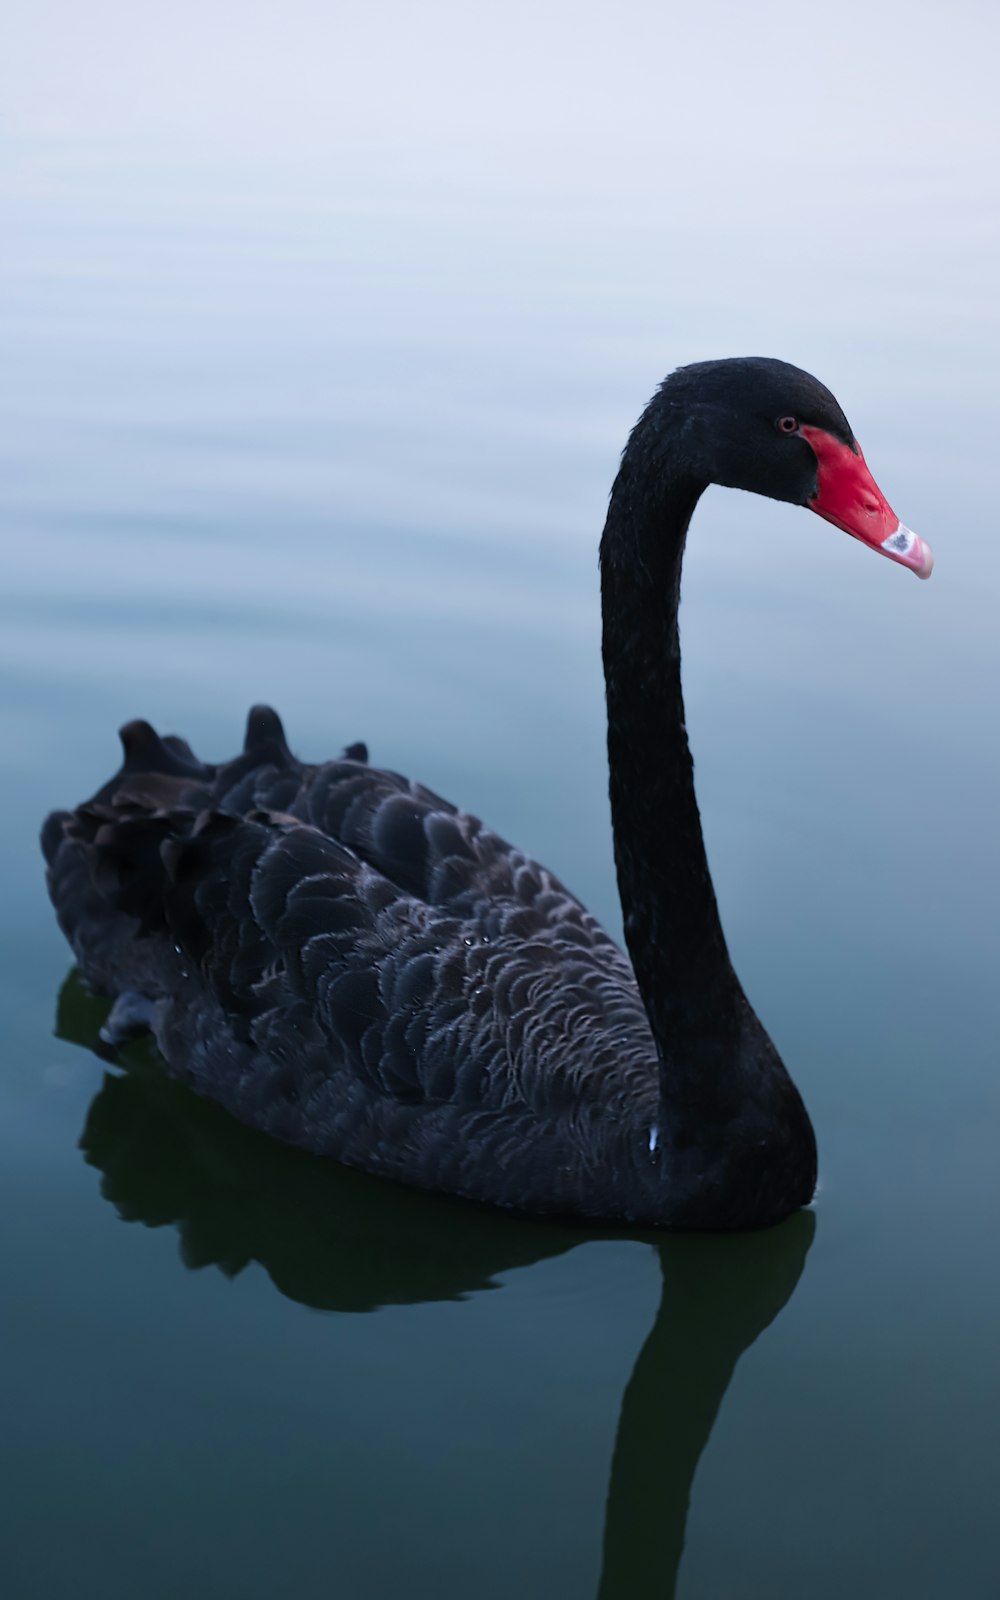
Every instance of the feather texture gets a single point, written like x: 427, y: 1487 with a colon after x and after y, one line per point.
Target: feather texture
x: 347, y: 961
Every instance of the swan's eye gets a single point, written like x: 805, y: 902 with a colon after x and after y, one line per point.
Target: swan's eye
x: 787, y: 425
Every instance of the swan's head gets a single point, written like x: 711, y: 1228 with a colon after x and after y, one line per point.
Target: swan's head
x: 759, y: 424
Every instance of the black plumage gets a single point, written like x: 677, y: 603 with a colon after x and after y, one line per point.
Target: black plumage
x: 345, y: 960
x: 348, y: 962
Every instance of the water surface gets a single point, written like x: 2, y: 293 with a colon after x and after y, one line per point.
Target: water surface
x: 325, y: 413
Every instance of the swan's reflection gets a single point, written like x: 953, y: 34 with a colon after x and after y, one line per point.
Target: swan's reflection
x: 339, y: 1240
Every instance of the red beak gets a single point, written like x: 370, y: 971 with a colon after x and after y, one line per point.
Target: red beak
x: 848, y: 496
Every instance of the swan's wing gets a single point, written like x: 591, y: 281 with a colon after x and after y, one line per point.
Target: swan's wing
x: 316, y: 999
x: 347, y: 962
x: 420, y: 842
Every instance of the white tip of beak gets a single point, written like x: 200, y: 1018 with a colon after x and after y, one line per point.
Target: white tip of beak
x: 909, y: 550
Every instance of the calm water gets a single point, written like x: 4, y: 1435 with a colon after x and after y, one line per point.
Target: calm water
x: 332, y: 424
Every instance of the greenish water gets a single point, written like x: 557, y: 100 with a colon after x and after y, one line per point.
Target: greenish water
x: 339, y: 436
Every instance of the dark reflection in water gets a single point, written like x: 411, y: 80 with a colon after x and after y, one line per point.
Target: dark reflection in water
x: 718, y: 1294
x: 338, y: 1240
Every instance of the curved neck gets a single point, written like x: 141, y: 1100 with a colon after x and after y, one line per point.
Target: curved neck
x: 693, y: 999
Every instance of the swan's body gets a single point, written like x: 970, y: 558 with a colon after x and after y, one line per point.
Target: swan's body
x: 348, y: 962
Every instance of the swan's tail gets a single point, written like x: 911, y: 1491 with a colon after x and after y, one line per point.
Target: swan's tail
x: 146, y: 864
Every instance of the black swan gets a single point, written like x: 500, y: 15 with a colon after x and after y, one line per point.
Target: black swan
x: 346, y: 961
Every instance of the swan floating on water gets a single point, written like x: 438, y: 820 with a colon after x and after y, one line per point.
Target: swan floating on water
x: 345, y: 960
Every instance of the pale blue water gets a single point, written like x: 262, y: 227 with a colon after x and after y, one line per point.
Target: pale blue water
x: 339, y: 436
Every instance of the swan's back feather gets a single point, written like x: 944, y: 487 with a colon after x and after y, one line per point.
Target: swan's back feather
x: 346, y: 960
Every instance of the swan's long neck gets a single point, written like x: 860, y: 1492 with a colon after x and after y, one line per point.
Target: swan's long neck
x: 693, y: 999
